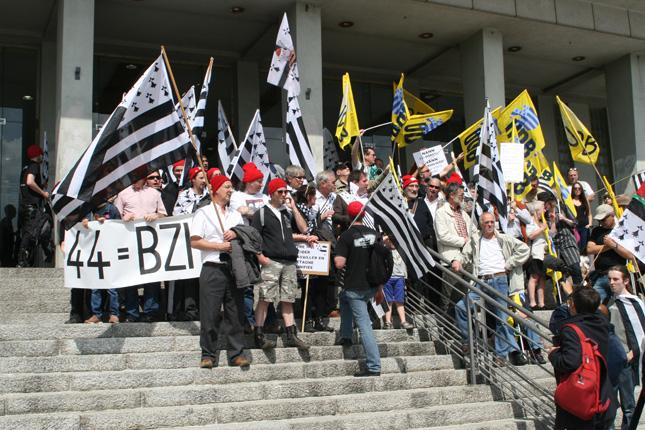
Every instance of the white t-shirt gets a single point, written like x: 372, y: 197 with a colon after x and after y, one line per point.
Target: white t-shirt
x: 252, y: 201
x: 538, y: 245
x: 491, y: 259
x: 206, y: 226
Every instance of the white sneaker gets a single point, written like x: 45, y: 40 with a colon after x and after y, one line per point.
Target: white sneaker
x: 406, y: 325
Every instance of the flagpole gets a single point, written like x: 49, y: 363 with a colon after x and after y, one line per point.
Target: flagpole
x: 190, y: 129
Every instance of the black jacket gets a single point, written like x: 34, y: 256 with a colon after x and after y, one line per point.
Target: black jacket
x: 568, y: 358
x: 244, y: 251
x: 277, y: 243
x: 425, y: 223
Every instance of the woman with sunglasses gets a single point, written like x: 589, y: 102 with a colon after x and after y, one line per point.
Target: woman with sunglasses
x: 583, y: 215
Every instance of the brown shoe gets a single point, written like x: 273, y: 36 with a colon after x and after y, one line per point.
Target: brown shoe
x: 240, y: 361
x: 113, y: 319
x: 206, y: 363
x: 93, y: 320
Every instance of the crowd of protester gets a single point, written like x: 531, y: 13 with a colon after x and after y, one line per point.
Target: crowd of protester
x: 247, y: 235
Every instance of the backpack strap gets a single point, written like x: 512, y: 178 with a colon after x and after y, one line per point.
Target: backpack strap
x: 262, y: 216
x: 578, y: 331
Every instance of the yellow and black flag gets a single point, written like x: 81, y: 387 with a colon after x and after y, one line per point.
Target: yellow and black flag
x: 584, y: 148
x: 347, y: 126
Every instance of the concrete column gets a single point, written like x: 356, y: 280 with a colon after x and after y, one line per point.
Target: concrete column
x: 248, y: 95
x: 482, y: 71
x: 550, y: 123
x: 305, y: 25
x: 625, y: 81
x: 47, y: 99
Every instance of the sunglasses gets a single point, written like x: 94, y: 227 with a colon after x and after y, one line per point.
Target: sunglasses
x: 433, y: 187
x: 574, y: 169
x: 282, y: 191
x: 153, y: 178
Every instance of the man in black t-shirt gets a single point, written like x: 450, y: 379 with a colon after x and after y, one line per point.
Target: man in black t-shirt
x: 609, y: 252
x: 32, y: 198
x: 353, y: 251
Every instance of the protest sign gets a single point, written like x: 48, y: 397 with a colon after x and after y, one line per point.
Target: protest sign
x: 119, y: 254
x: 314, y: 260
x: 433, y: 157
x: 512, y: 160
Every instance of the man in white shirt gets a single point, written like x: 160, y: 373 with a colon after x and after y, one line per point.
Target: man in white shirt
x: 573, y: 178
x: 434, y: 196
x: 211, y: 233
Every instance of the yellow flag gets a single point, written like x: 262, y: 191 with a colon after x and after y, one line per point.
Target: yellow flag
x: 347, y: 126
x: 523, y: 113
x: 469, y: 140
x: 562, y: 190
x: 419, y: 125
x: 555, y: 276
x: 415, y: 105
x: 582, y: 144
x: 400, y: 112
x: 535, y: 166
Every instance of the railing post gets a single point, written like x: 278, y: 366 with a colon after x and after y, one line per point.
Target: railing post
x: 471, y: 343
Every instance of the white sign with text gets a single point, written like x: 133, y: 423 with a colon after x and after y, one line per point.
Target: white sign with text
x: 511, y: 158
x: 314, y: 260
x: 433, y: 157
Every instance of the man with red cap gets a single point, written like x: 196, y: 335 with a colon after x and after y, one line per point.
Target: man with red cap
x: 185, y: 292
x: 211, y: 233
x: 32, y: 200
x: 353, y: 251
x: 278, y: 260
x: 170, y: 192
x: 250, y: 198
x: 420, y: 211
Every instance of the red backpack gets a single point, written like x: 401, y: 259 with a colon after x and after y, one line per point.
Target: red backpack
x: 579, y: 392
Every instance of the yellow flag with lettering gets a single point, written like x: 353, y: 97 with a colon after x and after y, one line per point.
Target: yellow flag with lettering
x: 529, y: 131
x: 347, y: 126
x: 400, y: 111
x: 562, y: 190
x: 469, y: 140
x: 415, y: 105
x: 418, y: 126
x: 582, y: 144
x: 536, y: 165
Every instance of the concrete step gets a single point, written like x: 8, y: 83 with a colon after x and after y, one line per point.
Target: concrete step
x: 406, y: 409
x: 33, y: 319
x: 200, y: 392
x: 31, y: 371
x: 36, y: 305
x: 507, y: 424
x: 116, y: 345
x: 28, y: 273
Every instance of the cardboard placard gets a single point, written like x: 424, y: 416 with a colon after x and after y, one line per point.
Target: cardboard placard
x: 512, y: 159
x: 433, y: 157
x: 315, y: 259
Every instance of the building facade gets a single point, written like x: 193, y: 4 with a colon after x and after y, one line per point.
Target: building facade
x: 64, y: 65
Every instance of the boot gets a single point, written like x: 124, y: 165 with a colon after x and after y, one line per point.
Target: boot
x: 293, y: 340
x: 309, y: 326
x: 262, y: 342
x: 321, y: 326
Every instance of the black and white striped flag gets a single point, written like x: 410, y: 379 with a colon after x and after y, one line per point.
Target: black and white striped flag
x: 283, y: 71
x: 487, y: 173
x: 298, y: 145
x: 391, y: 213
x: 44, y: 166
x: 253, y: 149
x: 226, y: 145
x: 638, y: 179
x: 330, y: 153
x: 143, y: 134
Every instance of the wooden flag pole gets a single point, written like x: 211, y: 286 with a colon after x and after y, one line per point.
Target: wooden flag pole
x: 190, y: 130
x: 304, y: 305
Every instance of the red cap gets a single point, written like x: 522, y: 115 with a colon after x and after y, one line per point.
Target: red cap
x: 248, y: 166
x: 408, y: 180
x: 251, y: 174
x: 355, y: 208
x: 212, y: 171
x: 455, y: 178
x: 179, y: 163
x: 276, y: 184
x: 217, y: 181
x: 193, y: 172
x: 34, y: 151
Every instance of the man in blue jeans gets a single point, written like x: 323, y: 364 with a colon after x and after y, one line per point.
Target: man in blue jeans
x: 353, y: 251
x: 494, y: 257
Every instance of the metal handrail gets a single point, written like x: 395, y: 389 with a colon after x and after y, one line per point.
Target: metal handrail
x: 510, y: 382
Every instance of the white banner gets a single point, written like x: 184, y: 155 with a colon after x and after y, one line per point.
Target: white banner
x: 314, y: 260
x: 434, y: 158
x: 119, y: 254
x: 512, y: 159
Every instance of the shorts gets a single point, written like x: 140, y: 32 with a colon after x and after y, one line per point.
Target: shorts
x: 279, y: 283
x: 394, y: 290
x: 535, y: 267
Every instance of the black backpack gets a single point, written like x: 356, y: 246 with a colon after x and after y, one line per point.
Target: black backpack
x: 381, y: 264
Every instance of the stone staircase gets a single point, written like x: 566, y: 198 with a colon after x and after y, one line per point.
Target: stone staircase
x: 145, y: 376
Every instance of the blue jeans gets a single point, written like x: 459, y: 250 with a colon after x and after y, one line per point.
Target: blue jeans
x: 150, y: 300
x: 504, y: 335
x: 535, y: 341
x: 625, y: 390
x: 353, y: 308
x: 96, y: 303
x: 602, y: 287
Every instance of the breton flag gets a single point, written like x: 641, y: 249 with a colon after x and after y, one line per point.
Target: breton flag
x: 253, y: 150
x: 488, y: 174
x: 283, y: 71
x: 298, y: 145
x: 226, y: 145
x: 582, y: 144
x: 143, y: 134
x: 347, y: 125
x: 44, y: 166
x: 195, y: 111
x: 391, y: 213
x: 638, y: 179
x: 629, y: 232
x: 330, y: 153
